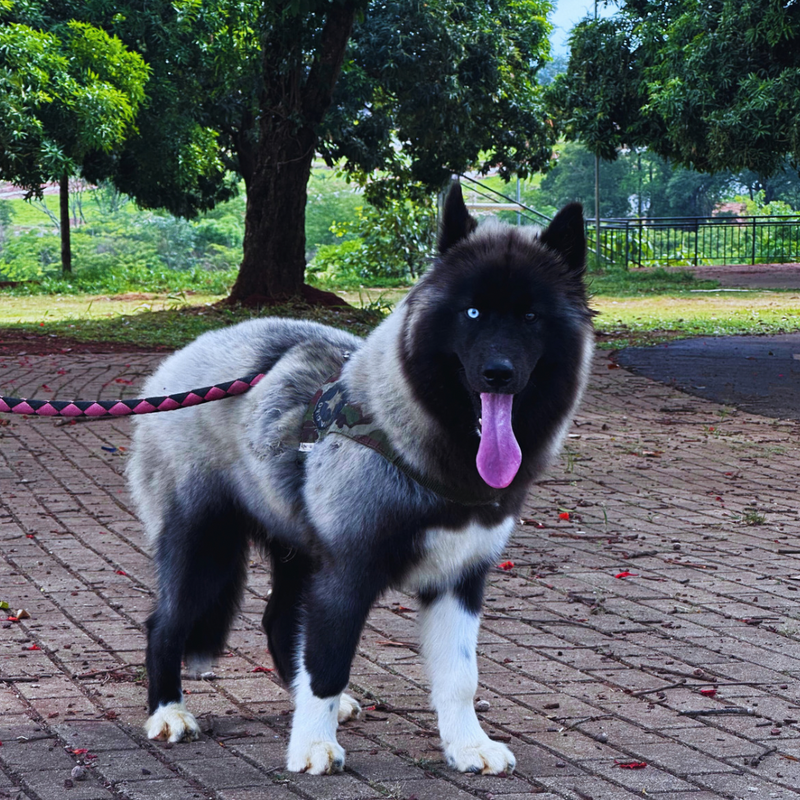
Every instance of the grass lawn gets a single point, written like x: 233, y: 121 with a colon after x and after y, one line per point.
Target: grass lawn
x: 147, y: 319
x: 648, y: 319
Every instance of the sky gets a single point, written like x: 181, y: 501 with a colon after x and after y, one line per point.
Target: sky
x: 568, y: 13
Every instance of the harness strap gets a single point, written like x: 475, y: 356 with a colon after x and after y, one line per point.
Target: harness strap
x: 330, y: 411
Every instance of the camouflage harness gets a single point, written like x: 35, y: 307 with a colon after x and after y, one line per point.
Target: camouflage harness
x: 330, y: 411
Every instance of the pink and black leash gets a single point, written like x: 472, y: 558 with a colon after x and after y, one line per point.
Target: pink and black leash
x: 121, y: 408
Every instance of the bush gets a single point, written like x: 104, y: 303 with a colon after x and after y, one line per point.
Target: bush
x: 122, y: 250
x: 387, y: 246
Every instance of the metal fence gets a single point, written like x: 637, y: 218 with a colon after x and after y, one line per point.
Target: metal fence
x: 667, y: 241
x: 698, y: 241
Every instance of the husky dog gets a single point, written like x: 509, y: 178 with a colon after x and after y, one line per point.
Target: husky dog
x: 454, y: 405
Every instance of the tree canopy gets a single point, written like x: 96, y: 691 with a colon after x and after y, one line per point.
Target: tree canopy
x: 430, y: 88
x: 710, y: 85
x: 253, y: 89
x: 67, y: 89
x: 64, y: 91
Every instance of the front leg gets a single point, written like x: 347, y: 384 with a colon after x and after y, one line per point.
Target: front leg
x: 312, y: 744
x: 333, y: 615
x: 449, y: 635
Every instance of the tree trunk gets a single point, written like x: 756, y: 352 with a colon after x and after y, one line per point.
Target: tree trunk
x: 293, y: 104
x: 63, y: 200
x: 274, y: 260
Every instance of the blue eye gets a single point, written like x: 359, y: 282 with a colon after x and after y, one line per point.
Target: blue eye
x: 531, y: 317
x: 473, y: 313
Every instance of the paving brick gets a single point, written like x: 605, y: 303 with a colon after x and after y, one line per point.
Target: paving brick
x: 565, y: 646
x: 58, y: 785
x: 170, y: 789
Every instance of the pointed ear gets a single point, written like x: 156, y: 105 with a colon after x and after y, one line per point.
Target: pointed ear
x: 457, y: 224
x: 565, y: 234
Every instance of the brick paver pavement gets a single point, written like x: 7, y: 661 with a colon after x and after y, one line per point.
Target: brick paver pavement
x: 658, y: 625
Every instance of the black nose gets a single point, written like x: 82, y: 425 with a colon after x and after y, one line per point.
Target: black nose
x: 498, y: 373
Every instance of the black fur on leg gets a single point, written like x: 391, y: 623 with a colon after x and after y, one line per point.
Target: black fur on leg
x: 290, y: 574
x: 201, y: 557
x: 468, y: 589
x: 163, y: 660
x: 336, y: 608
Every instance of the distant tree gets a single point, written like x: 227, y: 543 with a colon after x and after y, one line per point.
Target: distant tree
x: 782, y: 185
x: 636, y: 183
x: 571, y: 179
x: 65, y: 90
x: 558, y: 65
x: 688, y: 193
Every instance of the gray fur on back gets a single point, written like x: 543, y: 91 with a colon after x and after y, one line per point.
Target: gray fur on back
x: 246, y: 444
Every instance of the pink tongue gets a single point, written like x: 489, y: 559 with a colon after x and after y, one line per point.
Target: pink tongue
x: 499, y: 454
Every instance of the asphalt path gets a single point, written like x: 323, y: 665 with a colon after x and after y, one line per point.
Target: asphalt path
x: 759, y: 374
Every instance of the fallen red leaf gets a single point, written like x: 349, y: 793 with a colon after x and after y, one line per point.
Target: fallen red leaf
x: 564, y: 515
x: 506, y: 565
x: 262, y: 669
x: 121, y: 572
x: 13, y: 619
x: 708, y: 692
x: 79, y: 751
x: 33, y: 647
x: 627, y: 574
x: 630, y: 764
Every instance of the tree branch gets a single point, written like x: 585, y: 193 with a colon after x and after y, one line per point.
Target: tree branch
x: 319, y: 86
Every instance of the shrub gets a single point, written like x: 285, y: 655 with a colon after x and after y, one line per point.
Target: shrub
x: 387, y: 246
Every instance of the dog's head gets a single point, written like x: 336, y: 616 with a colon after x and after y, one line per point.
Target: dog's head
x: 503, y: 310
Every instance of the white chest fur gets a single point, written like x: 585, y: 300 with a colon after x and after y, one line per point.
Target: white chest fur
x: 448, y: 553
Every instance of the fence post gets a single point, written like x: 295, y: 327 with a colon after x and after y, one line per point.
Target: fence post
x: 696, y: 232
x: 641, y: 236
x: 753, y: 257
x: 626, y: 246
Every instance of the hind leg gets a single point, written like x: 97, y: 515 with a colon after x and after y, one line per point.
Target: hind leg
x: 290, y: 574
x: 201, y: 562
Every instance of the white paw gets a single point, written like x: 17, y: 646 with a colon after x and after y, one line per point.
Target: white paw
x: 199, y: 668
x: 172, y: 723
x: 486, y: 757
x: 348, y: 708
x: 316, y: 758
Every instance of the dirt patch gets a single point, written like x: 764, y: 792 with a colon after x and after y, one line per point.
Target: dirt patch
x: 17, y: 343
x: 747, y: 276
